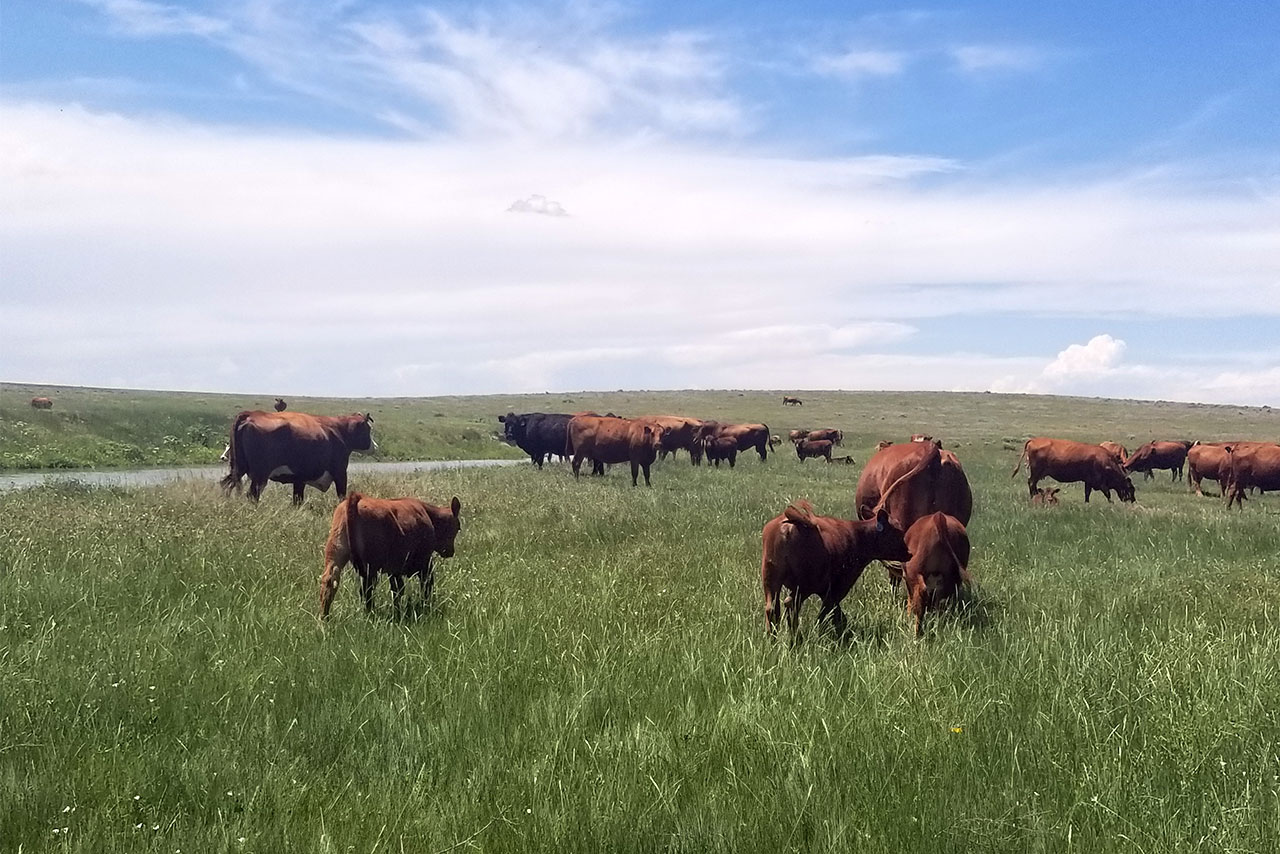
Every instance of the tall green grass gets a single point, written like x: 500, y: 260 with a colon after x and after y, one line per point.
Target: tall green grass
x: 593, y: 673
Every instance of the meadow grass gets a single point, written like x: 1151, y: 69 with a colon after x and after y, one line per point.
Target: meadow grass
x: 593, y: 675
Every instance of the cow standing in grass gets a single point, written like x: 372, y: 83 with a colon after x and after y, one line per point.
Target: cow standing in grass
x: 1067, y: 461
x: 613, y: 440
x: 814, y: 448
x: 939, y: 563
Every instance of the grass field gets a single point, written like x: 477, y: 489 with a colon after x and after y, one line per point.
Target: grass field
x: 593, y: 674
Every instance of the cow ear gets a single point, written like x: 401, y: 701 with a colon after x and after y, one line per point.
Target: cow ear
x: 882, y: 520
x: 455, y: 505
x: 502, y: 419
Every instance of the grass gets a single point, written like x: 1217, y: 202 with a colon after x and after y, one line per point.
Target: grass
x: 593, y: 674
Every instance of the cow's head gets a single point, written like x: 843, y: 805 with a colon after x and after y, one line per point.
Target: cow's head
x: 513, y: 427
x: 887, y: 542
x: 1125, y: 489
x: 447, y: 528
x: 360, y: 433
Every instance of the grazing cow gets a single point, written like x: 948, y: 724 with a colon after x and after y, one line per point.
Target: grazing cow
x: 1046, y: 497
x: 882, y: 444
x: 1115, y: 449
x: 280, y: 405
x: 814, y: 448
x: 679, y: 434
x: 538, y: 434
x: 846, y: 459
x: 613, y: 440
x: 1069, y: 462
x: 748, y: 436
x: 941, y: 486
x: 1253, y: 465
x: 798, y: 435
x: 41, y: 403
x: 792, y: 401
x: 1159, y: 455
x: 296, y: 448
x: 1210, y: 460
x: 396, y: 536
x: 836, y: 437
x: 939, y: 563
x: 922, y: 437
x: 819, y: 555
x: 721, y: 448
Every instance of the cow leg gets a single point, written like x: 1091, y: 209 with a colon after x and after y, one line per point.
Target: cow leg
x: 916, y: 602
x: 336, y: 555
x: 635, y: 473
x: 298, y: 487
x: 1107, y: 493
x: 397, y: 589
x: 644, y: 467
x: 1032, y: 483
x: 577, y: 464
x: 1088, y: 490
x: 733, y: 458
x: 340, y: 481
x: 536, y: 459
x: 427, y: 578
x: 761, y: 449
x: 256, y: 486
x: 597, y: 468
x: 367, y: 580
x: 791, y: 605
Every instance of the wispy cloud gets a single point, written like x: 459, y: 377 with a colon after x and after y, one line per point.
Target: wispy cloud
x: 974, y: 58
x: 145, y: 18
x: 862, y: 63
x: 538, y: 204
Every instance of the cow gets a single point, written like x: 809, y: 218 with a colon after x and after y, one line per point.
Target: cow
x: 882, y: 444
x: 846, y: 459
x: 721, y: 448
x: 295, y: 448
x: 939, y: 563
x: 41, y: 403
x: 1067, y: 461
x: 945, y: 488
x: 821, y: 555
x: 1159, y: 455
x: 1115, y: 449
x: 1210, y: 460
x: 836, y: 437
x: 1046, y: 497
x: 814, y: 448
x: 798, y: 435
x: 774, y: 442
x: 679, y: 434
x: 792, y: 401
x: 280, y: 405
x: 613, y: 440
x: 748, y: 436
x: 396, y: 536
x: 1253, y: 465
x: 922, y: 437
x: 538, y: 434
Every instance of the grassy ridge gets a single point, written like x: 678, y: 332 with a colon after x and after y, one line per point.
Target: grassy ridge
x: 106, y: 428
x: 593, y: 673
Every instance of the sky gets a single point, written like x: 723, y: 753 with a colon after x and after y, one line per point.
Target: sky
x: 354, y: 198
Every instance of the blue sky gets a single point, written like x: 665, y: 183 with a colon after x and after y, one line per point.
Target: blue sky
x: 518, y: 197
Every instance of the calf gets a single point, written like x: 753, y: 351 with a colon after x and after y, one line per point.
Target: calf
x: 819, y: 555
x: 774, y: 442
x: 1046, y: 497
x: 721, y: 448
x: 792, y: 401
x: 280, y: 405
x: 816, y: 448
x: 396, y: 536
x: 939, y: 564
x: 41, y: 403
x: 846, y: 459
x: 882, y: 444
x: 797, y: 435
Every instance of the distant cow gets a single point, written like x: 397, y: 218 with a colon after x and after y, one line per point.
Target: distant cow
x: 1159, y: 455
x: 721, y: 448
x: 797, y: 435
x: 295, y: 448
x: 814, y: 448
x: 613, y: 440
x: 836, y: 437
x: 1046, y: 497
x: 396, y: 536
x: 882, y: 444
x: 774, y: 442
x: 41, y: 403
x: 939, y: 563
x: 1115, y: 449
x: 846, y: 459
x: 939, y: 485
x: 921, y: 437
x: 1210, y: 460
x: 538, y: 434
x: 280, y: 405
x: 792, y: 401
x: 678, y: 434
x: 1067, y: 461
x: 812, y: 555
x: 748, y: 436
x: 1256, y: 465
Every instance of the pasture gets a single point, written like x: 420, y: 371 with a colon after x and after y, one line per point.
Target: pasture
x: 593, y: 675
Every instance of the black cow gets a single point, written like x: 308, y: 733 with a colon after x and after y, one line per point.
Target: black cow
x: 536, y: 433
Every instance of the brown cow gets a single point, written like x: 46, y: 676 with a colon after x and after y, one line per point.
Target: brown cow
x: 836, y: 437
x: 945, y: 488
x: 678, y: 433
x: 1046, y: 497
x: 1255, y: 465
x: 721, y: 448
x: 614, y: 440
x: 1210, y: 460
x: 814, y: 448
x: 1067, y: 461
x: 295, y: 448
x: 396, y: 536
x: 1115, y: 449
x: 939, y: 564
x: 792, y: 401
x: 846, y: 459
x: 797, y: 435
x: 748, y: 436
x: 882, y: 444
x: 41, y: 403
x: 921, y: 437
x: 1159, y: 455
x: 280, y: 405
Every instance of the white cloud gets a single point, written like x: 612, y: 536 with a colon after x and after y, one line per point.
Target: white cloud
x: 996, y: 57
x: 144, y: 18
x: 1102, y: 354
x: 538, y: 204
x: 862, y: 63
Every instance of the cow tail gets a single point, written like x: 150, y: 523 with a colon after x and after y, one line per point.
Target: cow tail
x: 932, y: 458
x: 1018, y: 467
x: 801, y: 516
x: 353, y: 516
x: 234, y: 461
